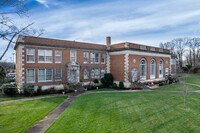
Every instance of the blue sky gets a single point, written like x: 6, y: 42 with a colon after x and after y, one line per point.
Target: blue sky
x: 146, y: 22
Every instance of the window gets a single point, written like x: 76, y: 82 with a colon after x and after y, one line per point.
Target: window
x: 92, y: 58
x: 152, y: 69
x: 95, y: 73
x: 161, y: 68
x: 96, y: 58
x: 85, y: 74
x: 44, y: 56
x: 86, y: 57
x: 103, y: 71
x: 73, y: 56
x: 173, y: 61
x: 30, y: 75
x: 30, y: 55
x: 58, y: 74
x: 45, y: 75
x: 143, y: 69
x: 103, y: 58
x: 58, y: 56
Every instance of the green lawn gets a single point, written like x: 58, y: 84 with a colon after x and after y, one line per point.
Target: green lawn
x: 18, y: 117
x: 104, y: 89
x: 130, y: 112
x: 178, y: 87
x: 194, y: 79
x: 15, y: 98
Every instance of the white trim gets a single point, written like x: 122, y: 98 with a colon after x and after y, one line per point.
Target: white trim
x: 108, y: 62
x: 104, y: 58
x: 143, y: 77
x: 139, y: 53
x: 45, y: 56
x: 153, y: 76
x: 55, y: 74
x: 75, y: 55
x: 126, y: 67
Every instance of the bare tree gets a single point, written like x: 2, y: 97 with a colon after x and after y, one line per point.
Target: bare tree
x: 9, y: 30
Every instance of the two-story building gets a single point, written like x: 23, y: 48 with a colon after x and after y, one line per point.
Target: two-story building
x: 51, y: 62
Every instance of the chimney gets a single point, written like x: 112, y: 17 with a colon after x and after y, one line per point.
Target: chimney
x: 108, y: 42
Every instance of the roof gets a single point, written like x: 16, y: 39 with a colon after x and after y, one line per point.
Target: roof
x: 29, y: 40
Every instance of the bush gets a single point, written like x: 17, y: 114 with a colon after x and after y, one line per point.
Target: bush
x: 121, y: 85
x: 28, y: 90
x: 107, y: 80
x: 52, y: 90
x: 114, y: 85
x: 9, y: 89
x: 39, y: 90
x: 195, y: 70
x: 189, y: 66
x: 185, y: 69
x: 96, y: 81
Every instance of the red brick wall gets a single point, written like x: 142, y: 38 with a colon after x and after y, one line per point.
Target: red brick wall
x: 117, y: 67
x: 148, y: 61
x: 65, y: 60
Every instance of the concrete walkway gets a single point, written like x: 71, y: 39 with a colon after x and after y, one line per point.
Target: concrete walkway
x: 28, y: 99
x: 48, y: 120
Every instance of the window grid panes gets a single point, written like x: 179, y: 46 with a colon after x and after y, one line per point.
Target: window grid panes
x: 58, y: 74
x: 73, y: 56
x: 152, y: 67
x: 85, y: 74
x: 143, y: 68
x: 86, y: 57
x: 45, y: 56
x: 92, y: 58
x: 58, y: 56
x: 103, y: 71
x: 95, y: 73
x: 30, y: 55
x: 45, y: 74
x: 161, y: 68
x: 96, y: 58
x: 103, y: 58
x: 30, y: 75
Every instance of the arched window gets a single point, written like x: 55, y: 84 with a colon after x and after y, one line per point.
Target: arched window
x: 161, y: 68
x: 153, y: 69
x: 143, y: 69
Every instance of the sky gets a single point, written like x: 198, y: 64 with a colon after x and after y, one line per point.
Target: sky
x: 147, y: 22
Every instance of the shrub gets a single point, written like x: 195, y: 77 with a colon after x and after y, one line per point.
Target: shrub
x: 9, y: 89
x: 114, y: 85
x: 107, y: 80
x: 185, y: 69
x: 96, y: 81
x: 39, y: 90
x: 189, y: 66
x: 121, y: 85
x: 51, y: 90
x: 28, y: 90
x: 195, y: 70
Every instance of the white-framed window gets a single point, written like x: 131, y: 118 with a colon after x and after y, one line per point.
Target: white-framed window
x: 45, y: 56
x: 92, y: 57
x: 95, y: 73
x: 103, y: 58
x: 72, y: 55
x: 30, y: 75
x: 45, y: 74
x: 160, y: 68
x: 58, y: 74
x: 58, y: 56
x: 143, y: 69
x: 96, y: 60
x: 153, y: 67
x: 30, y: 55
x: 85, y: 74
x: 103, y: 71
x: 86, y: 57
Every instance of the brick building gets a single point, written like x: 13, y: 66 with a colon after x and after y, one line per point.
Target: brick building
x: 51, y: 62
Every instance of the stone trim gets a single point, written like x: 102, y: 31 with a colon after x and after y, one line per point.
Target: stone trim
x: 21, y: 66
x: 126, y: 67
x: 108, y: 62
x: 139, y: 53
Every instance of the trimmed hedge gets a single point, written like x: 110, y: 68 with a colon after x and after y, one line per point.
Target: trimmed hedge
x: 107, y: 80
x: 9, y: 89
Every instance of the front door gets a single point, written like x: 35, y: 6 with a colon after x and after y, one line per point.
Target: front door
x: 72, y: 76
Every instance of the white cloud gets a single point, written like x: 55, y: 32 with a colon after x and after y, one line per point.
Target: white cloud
x: 44, y: 2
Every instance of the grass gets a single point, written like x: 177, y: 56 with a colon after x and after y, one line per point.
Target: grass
x: 18, y: 117
x: 130, y: 112
x: 178, y: 87
x: 15, y: 98
x: 194, y: 79
x: 104, y: 89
